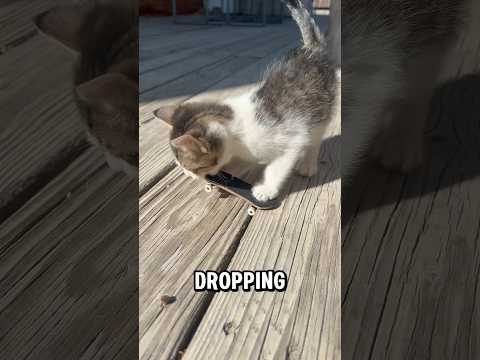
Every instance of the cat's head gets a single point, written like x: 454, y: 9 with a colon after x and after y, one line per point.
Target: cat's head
x: 104, y: 38
x: 199, y: 138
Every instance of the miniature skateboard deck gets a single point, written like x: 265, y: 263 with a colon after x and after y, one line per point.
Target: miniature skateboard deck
x: 239, y: 188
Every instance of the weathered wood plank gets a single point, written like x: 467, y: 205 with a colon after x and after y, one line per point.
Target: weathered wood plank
x: 173, y: 40
x: 153, y: 46
x: 182, y: 228
x: 43, y: 202
x: 243, y: 80
x: 203, y: 79
x: 198, y: 44
x: 16, y: 20
x: 65, y: 290
x: 304, y: 321
x: 65, y: 287
x: 410, y: 256
x: 38, y: 111
x: 246, y: 79
x: 21, y: 252
x: 156, y: 159
x: 246, y: 47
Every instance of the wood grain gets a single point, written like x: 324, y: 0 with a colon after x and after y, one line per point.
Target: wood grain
x: 68, y: 240
x: 410, y: 259
x: 63, y: 271
x: 16, y: 20
x: 38, y: 111
x: 182, y: 229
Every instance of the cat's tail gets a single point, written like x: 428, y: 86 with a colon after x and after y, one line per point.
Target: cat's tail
x: 311, y: 35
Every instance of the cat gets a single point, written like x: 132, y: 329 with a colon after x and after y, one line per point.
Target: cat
x: 104, y: 36
x: 279, y: 124
x: 392, y: 55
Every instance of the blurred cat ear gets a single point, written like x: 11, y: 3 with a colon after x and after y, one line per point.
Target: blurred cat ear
x: 63, y: 24
x: 188, y: 143
x: 166, y: 114
x: 108, y: 92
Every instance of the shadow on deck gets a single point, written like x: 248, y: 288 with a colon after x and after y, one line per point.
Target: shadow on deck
x: 410, y: 249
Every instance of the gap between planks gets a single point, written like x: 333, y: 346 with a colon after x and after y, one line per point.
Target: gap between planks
x: 58, y: 248
x: 410, y: 248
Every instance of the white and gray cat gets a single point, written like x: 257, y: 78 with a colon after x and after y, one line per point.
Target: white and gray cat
x: 392, y: 54
x: 104, y: 37
x: 279, y: 124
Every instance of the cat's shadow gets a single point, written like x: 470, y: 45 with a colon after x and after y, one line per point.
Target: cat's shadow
x: 453, y: 156
x: 328, y: 170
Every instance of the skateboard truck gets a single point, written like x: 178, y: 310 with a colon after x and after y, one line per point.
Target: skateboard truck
x: 238, y: 188
x: 251, y: 209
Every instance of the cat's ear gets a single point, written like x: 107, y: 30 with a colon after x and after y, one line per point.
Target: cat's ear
x: 188, y: 143
x: 108, y: 92
x: 166, y: 114
x: 63, y: 24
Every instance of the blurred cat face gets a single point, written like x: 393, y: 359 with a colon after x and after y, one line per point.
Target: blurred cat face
x: 111, y: 115
x: 106, y: 90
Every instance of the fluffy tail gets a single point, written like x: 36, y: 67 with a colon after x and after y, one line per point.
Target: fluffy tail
x: 311, y: 35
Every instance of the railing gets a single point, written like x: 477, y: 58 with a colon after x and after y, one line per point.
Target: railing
x: 232, y: 12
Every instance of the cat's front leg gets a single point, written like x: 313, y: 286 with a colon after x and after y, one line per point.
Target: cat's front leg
x: 186, y: 172
x: 190, y: 174
x: 275, y: 175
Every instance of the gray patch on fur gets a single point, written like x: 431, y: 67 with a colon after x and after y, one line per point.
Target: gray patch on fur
x: 381, y: 41
x: 187, y: 117
x: 414, y: 24
x: 300, y: 84
x: 192, y: 118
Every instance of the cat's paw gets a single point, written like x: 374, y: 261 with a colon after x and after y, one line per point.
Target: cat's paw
x: 399, y: 153
x: 190, y: 174
x: 264, y: 193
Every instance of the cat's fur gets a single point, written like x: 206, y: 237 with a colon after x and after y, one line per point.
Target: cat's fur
x: 392, y: 56
x: 279, y: 124
x: 104, y: 36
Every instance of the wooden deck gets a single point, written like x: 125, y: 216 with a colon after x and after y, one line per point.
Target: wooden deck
x: 410, y: 254
x: 67, y: 222
x: 183, y: 229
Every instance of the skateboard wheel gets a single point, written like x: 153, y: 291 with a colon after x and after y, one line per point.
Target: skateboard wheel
x: 251, y: 210
x: 209, y: 187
